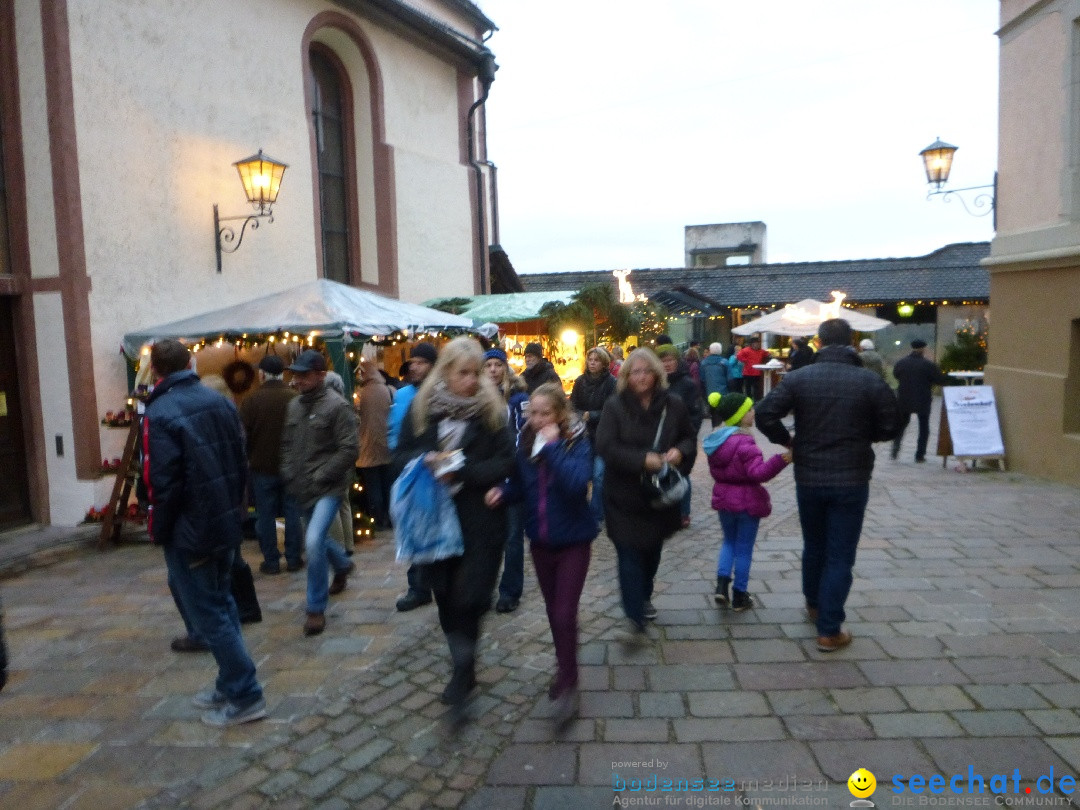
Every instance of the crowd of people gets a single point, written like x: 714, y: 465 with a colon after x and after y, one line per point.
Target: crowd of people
x: 517, y: 458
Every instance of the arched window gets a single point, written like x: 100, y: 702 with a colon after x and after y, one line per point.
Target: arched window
x: 331, y: 116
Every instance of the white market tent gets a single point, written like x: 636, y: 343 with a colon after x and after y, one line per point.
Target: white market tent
x: 803, y: 319
x: 331, y: 310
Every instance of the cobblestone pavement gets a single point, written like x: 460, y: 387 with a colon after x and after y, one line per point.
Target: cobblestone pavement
x: 965, y: 611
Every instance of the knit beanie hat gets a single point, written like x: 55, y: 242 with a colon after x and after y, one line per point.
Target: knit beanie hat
x: 665, y: 349
x: 732, y: 408
x: 425, y: 351
x: 496, y: 354
x: 534, y: 348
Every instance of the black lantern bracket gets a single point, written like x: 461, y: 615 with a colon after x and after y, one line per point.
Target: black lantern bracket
x: 261, y: 176
x: 226, y: 237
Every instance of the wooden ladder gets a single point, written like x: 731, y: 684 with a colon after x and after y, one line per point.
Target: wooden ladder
x: 126, y: 476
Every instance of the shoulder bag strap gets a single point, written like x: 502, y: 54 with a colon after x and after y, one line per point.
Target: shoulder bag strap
x: 659, y: 430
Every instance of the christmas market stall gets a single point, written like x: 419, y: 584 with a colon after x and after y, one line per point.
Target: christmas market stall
x: 520, y: 322
x: 343, y: 322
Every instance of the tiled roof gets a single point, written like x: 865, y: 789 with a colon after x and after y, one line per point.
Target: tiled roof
x: 951, y: 272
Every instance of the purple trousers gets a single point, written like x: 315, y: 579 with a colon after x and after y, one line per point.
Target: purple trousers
x: 561, y: 574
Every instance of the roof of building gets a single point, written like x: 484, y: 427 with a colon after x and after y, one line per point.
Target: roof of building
x: 951, y: 272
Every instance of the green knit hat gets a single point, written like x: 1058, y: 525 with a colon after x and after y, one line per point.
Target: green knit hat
x: 733, y: 407
x: 664, y: 349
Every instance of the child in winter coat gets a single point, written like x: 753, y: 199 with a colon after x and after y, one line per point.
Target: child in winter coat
x: 554, y: 466
x: 737, y: 466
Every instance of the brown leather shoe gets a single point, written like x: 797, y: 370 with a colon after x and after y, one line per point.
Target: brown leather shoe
x: 341, y: 578
x: 314, y: 624
x: 832, y: 643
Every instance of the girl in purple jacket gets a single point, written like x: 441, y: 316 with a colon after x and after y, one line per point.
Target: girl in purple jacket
x: 554, y: 466
x: 739, y: 469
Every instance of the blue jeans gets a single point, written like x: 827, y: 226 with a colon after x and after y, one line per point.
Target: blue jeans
x: 684, y: 506
x: 737, y: 550
x: 596, y: 500
x: 637, y: 570
x: 271, y: 502
x: 513, y: 576
x: 322, y: 552
x: 202, y: 586
x: 831, y: 519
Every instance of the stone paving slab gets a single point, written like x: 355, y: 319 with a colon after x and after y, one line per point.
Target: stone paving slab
x: 967, y: 653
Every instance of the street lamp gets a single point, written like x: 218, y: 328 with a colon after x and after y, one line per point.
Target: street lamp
x: 937, y: 160
x: 261, y: 176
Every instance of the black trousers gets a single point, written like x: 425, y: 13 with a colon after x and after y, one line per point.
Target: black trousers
x: 924, y: 430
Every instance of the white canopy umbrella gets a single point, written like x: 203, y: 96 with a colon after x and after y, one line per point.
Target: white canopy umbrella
x: 804, y: 318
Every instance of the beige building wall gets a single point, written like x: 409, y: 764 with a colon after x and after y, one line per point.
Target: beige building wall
x: 1035, y: 257
x: 164, y: 97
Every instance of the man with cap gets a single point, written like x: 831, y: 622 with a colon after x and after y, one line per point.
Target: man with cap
x: 263, y: 416
x: 917, y: 375
x: 538, y: 370
x: 422, y: 359
x: 870, y: 357
x: 319, y: 447
x: 840, y: 409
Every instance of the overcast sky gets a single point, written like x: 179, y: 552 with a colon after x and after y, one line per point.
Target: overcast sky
x: 616, y: 124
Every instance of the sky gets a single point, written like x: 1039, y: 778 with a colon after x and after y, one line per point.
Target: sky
x: 616, y: 124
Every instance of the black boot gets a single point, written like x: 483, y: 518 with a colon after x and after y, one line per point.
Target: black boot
x: 741, y: 600
x: 721, y: 596
x: 463, y: 681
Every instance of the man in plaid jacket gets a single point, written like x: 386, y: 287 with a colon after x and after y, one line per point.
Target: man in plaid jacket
x: 840, y: 410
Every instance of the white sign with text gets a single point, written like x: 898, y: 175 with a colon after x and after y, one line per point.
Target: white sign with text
x: 973, y: 420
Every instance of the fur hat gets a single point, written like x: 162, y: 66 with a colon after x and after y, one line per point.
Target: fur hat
x: 716, y: 348
x: 733, y: 407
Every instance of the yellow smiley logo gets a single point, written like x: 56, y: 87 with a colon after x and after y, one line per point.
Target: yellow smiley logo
x: 861, y: 783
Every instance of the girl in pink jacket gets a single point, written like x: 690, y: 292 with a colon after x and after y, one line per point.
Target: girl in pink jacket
x: 739, y: 469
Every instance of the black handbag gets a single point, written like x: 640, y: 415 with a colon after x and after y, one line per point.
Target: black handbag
x: 666, y: 487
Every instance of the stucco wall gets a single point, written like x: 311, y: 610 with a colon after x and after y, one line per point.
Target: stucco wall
x: 1031, y: 333
x: 166, y: 97
x: 1032, y: 88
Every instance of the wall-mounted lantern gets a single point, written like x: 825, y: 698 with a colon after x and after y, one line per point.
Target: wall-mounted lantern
x: 261, y: 176
x: 937, y: 160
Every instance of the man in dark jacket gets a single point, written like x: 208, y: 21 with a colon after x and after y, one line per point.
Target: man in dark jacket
x: 195, y: 471
x: 840, y: 409
x: 917, y: 376
x: 538, y: 370
x: 263, y: 416
x: 800, y: 354
x: 319, y: 448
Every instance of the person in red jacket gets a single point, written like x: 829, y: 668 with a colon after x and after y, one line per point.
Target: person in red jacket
x: 753, y: 379
x: 737, y: 466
